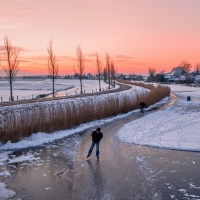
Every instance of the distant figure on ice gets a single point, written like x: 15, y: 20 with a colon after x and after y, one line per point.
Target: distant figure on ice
x: 142, y: 106
x: 96, y: 137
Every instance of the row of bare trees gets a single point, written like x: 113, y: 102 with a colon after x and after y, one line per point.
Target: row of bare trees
x: 109, y: 70
x: 11, y: 62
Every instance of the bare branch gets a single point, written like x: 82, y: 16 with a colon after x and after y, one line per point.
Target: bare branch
x: 185, y: 66
x: 113, y: 72
x: 99, y: 69
x: 80, y: 64
x: 12, y: 61
x: 108, y: 69
x: 52, y: 65
x: 152, y: 73
x: 197, y: 69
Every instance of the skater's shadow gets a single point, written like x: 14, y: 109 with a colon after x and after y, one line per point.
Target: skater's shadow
x: 95, y: 171
x: 97, y: 183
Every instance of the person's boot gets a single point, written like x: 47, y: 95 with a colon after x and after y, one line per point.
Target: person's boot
x: 98, y: 158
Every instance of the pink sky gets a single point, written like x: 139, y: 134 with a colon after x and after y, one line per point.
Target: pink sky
x: 137, y: 34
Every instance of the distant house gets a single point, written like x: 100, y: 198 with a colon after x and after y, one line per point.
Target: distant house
x: 134, y: 77
x: 197, y: 79
x: 101, y: 76
x: 127, y: 77
x: 68, y: 77
x: 145, y: 78
x: 76, y: 76
x: 174, y: 75
x: 180, y: 79
x: 90, y: 76
x: 139, y: 77
x: 120, y: 76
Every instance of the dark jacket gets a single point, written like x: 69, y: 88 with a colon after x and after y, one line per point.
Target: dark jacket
x: 96, y: 137
x: 143, y: 105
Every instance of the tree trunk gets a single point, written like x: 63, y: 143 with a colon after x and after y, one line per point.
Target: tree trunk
x: 11, y: 96
x: 81, y: 85
x: 99, y: 84
x: 109, y: 81
x: 53, y: 88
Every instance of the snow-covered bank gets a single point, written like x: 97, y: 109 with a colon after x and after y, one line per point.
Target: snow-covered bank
x: 42, y: 138
x: 20, y: 121
x: 175, y: 127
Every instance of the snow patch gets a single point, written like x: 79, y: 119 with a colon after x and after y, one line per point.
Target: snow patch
x: 5, y: 193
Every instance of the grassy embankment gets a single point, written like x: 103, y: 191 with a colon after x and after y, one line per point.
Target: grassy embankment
x: 60, y: 116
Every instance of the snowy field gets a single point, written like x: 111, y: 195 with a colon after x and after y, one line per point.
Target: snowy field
x: 27, y: 89
x: 175, y: 127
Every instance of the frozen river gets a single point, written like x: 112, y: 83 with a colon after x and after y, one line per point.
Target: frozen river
x: 27, y: 89
x: 58, y: 170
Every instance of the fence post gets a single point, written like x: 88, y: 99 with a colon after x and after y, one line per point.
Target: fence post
x: 1, y: 99
x: 17, y: 97
x: 92, y: 90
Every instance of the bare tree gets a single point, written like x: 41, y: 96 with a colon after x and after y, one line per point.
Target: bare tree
x: 152, y: 73
x: 185, y: 66
x: 113, y: 72
x: 104, y: 75
x: 12, y: 62
x: 52, y: 66
x: 189, y: 79
x: 99, y: 69
x: 108, y: 69
x: 197, y: 69
x: 80, y: 65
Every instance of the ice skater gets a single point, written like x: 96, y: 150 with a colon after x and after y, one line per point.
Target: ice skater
x: 96, y: 138
x: 142, y: 106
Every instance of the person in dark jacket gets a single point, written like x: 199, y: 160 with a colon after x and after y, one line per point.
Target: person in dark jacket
x: 96, y: 138
x: 142, y: 106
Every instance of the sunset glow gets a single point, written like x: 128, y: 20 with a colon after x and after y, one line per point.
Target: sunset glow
x: 136, y: 34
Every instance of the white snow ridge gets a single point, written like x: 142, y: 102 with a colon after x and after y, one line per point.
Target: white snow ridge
x: 175, y: 127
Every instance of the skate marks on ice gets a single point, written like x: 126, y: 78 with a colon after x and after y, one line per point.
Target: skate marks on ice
x: 40, y: 166
x: 61, y: 172
x: 175, y: 176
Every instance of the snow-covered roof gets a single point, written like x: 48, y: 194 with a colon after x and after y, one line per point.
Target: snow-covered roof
x: 197, y: 77
x: 174, y: 74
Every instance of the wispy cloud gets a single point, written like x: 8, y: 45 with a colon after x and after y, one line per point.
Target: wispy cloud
x: 2, y: 49
x: 91, y: 55
x: 123, y: 57
x: 9, y: 27
x: 42, y: 32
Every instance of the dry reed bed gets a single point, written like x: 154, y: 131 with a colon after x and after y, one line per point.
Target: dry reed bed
x: 61, y: 116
